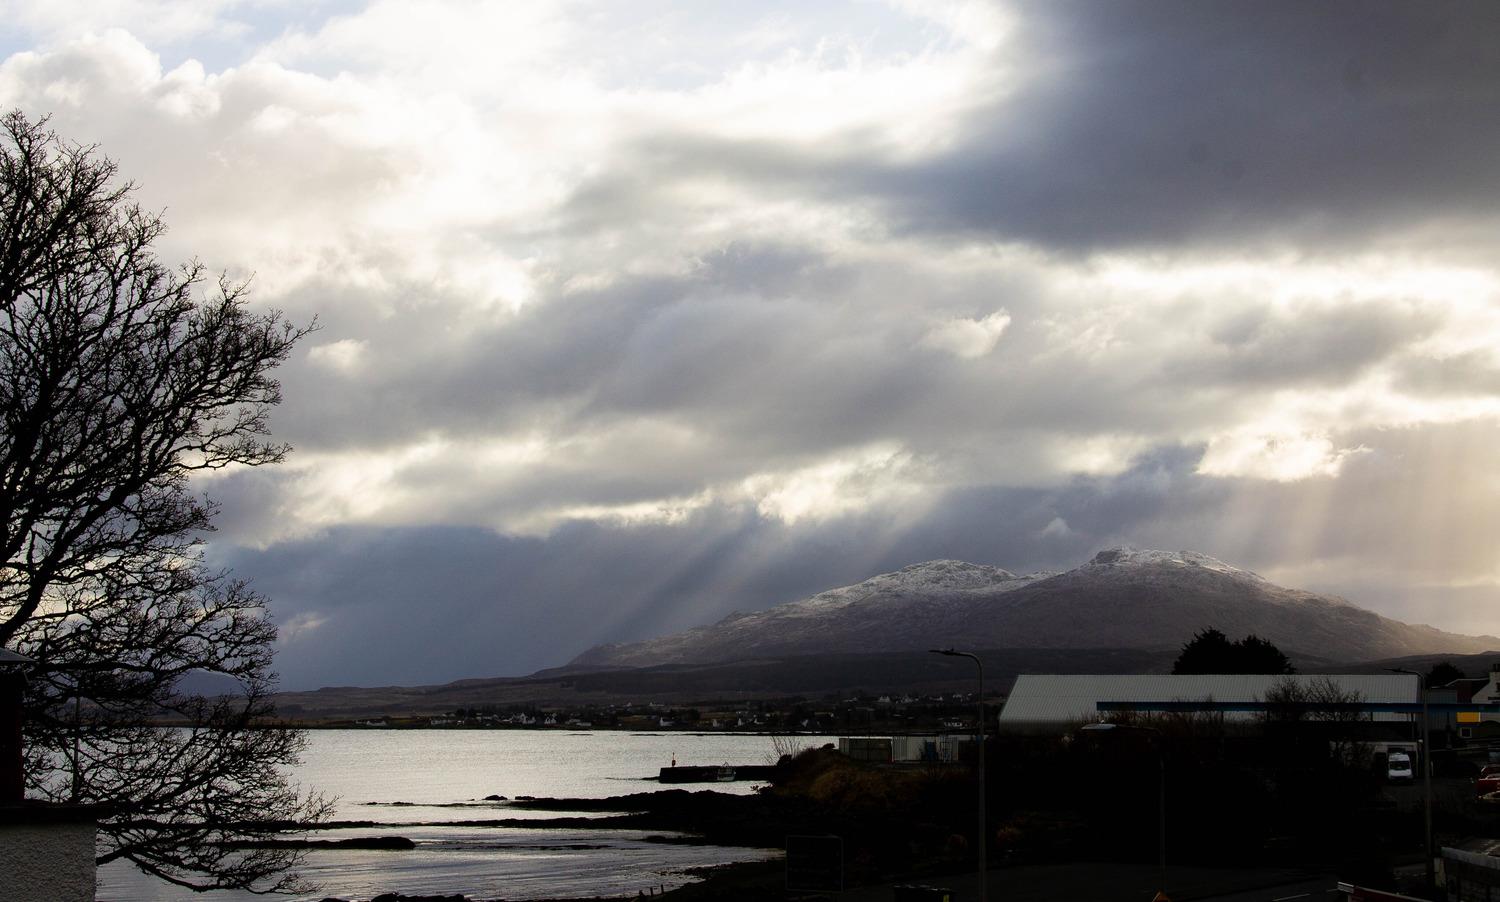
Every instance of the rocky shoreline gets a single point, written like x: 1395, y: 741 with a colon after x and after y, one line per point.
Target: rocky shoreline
x: 702, y: 817
x: 894, y: 823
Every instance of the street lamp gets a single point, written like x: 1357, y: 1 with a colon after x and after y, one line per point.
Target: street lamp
x: 1161, y: 795
x: 1426, y: 776
x: 983, y: 864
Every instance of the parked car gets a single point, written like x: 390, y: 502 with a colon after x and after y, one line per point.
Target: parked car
x: 1489, y: 769
x: 1398, y: 767
x: 1488, y: 783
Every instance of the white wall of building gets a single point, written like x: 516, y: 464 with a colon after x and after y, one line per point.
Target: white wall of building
x: 1491, y: 691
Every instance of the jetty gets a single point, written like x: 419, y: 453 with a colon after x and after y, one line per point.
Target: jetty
x: 716, y: 773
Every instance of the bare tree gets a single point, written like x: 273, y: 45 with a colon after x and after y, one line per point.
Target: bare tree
x: 120, y: 377
x: 785, y: 746
x: 1322, y: 700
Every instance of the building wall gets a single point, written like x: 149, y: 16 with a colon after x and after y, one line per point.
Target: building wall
x: 862, y: 748
x: 47, y: 862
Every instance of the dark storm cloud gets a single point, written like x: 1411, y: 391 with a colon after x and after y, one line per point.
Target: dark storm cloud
x: 1165, y: 123
x: 384, y: 599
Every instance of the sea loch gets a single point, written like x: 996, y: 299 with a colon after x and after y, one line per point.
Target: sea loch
x: 424, y: 784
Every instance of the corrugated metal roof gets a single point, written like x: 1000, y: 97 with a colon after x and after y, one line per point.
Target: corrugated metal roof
x: 1063, y: 698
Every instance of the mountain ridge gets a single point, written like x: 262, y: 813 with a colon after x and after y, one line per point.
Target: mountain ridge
x: 1122, y: 597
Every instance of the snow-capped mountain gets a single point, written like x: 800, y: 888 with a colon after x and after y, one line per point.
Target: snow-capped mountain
x: 1122, y: 598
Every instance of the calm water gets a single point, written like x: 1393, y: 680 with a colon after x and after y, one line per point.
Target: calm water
x: 443, y: 775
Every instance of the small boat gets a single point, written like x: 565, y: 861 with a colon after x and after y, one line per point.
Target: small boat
x: 724, y: 775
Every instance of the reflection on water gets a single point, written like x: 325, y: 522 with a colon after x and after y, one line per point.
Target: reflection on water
x: 426, y: 777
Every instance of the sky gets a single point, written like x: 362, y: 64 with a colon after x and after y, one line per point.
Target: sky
x: 632, y: 314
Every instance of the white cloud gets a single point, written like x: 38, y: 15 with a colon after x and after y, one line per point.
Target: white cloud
x: 1281, y: 458
x: 669, y: 511
x: 1057, y: 527
x: 968, y: 338
x: 344, y: 356
x: 842, y: 484
x: 301, y: 626
x: 363, y: 487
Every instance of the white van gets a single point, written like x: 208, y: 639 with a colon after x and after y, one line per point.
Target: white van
x: 1398, y: 767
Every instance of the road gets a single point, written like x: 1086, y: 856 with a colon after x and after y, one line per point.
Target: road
x: 1316, y: 889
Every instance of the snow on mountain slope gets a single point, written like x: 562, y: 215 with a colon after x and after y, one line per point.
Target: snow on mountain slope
x: 1122, y: 598
x: 857, y: 618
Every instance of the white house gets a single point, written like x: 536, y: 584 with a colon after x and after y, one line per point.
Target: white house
x: 1490, y: 692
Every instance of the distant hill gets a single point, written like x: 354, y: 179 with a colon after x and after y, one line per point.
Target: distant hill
x: 778, y: 677
x: 1473, y: 666
x: 1122, y: 598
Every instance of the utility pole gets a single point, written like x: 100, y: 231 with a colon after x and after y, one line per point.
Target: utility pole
x: 1426, y: 777
x: 983, y: 831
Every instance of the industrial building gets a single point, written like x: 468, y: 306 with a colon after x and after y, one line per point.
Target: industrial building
x: 1053, y: 703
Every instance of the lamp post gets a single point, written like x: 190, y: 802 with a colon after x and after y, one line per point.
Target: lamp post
x: 1161, y: 793
x: 1426, y: 777
x: 983, y: 844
